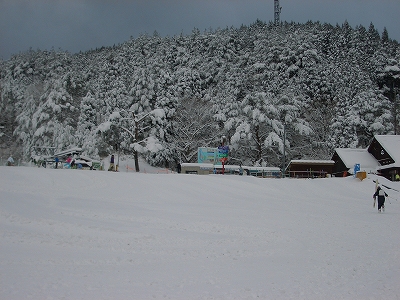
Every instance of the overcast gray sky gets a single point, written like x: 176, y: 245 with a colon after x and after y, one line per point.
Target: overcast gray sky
x: 80, y: 25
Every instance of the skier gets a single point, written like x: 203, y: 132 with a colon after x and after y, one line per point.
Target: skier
x: 10, y: 161
x: 68, y: 162
x: 381, y: 198
x: 111, y: 168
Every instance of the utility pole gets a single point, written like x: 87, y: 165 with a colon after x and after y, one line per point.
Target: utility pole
x: 395, y: 109
x: 135, y: 153
x: 277, y: 12
x: 284, y: 150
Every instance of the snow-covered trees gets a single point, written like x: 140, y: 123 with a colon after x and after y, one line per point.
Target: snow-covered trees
x: 389, y: 79
x: 88, y: 121
x: 324, y: 86
x: 193, y: 127
x: 131, y: 131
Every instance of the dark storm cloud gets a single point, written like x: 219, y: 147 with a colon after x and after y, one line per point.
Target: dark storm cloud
x: 76, y: 25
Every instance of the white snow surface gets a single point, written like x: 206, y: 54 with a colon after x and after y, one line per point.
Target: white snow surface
x: 78, y: 234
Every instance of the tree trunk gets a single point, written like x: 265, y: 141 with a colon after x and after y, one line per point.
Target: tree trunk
x: 136, y: 153
x: 136, y: 161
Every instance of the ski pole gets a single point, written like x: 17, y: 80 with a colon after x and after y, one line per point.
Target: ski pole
x: 389, y: 188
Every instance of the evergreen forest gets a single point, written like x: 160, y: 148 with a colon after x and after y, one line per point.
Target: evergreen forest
x: 275, y: 93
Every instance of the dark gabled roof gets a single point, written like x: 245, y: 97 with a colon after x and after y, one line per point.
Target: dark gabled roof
x: 391, y: 143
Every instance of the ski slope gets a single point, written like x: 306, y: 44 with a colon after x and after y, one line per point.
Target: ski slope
x: 76, y: 234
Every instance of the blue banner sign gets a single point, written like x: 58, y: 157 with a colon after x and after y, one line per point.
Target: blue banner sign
x: 207, y: 155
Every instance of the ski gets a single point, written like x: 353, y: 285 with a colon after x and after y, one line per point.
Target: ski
x: 386, y: 186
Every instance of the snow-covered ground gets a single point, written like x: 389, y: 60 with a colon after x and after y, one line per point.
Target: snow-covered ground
x: 76, y: 234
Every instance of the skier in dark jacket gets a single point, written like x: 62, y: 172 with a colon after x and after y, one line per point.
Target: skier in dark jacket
x: 111, y: 167
x: 381, y: 198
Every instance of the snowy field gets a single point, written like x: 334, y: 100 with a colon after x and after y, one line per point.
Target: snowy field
x: 76, y: 234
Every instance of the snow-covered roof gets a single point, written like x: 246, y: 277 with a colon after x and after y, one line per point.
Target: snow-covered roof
x: 350, y: 157
x: 201, y: 165
x: 229, y: 167
x: 311, y: 161
x: 262, y: 168
x: 69, y: 151
x: 237, y: 167
x: 87, y: 158
x: 394, y: 69
x: 391, y: 143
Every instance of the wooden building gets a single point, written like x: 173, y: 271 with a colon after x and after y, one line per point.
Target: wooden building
x: 346, y: 158
x: 382, y: 156
x: 309, y: 168
x: 386, y: 150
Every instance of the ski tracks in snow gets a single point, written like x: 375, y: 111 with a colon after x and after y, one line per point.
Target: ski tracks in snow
x: 87, y: 234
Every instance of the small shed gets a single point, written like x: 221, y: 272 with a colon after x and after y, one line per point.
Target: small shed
x: 197, y: 168
x: 263, y: 172
x: 310, y: 168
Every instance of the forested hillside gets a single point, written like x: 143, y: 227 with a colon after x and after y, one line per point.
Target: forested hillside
x: 315, y: 86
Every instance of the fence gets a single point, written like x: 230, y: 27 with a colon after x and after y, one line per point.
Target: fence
x: 307, y: 174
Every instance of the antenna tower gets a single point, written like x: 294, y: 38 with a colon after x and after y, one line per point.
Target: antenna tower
x: 277, y: 12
